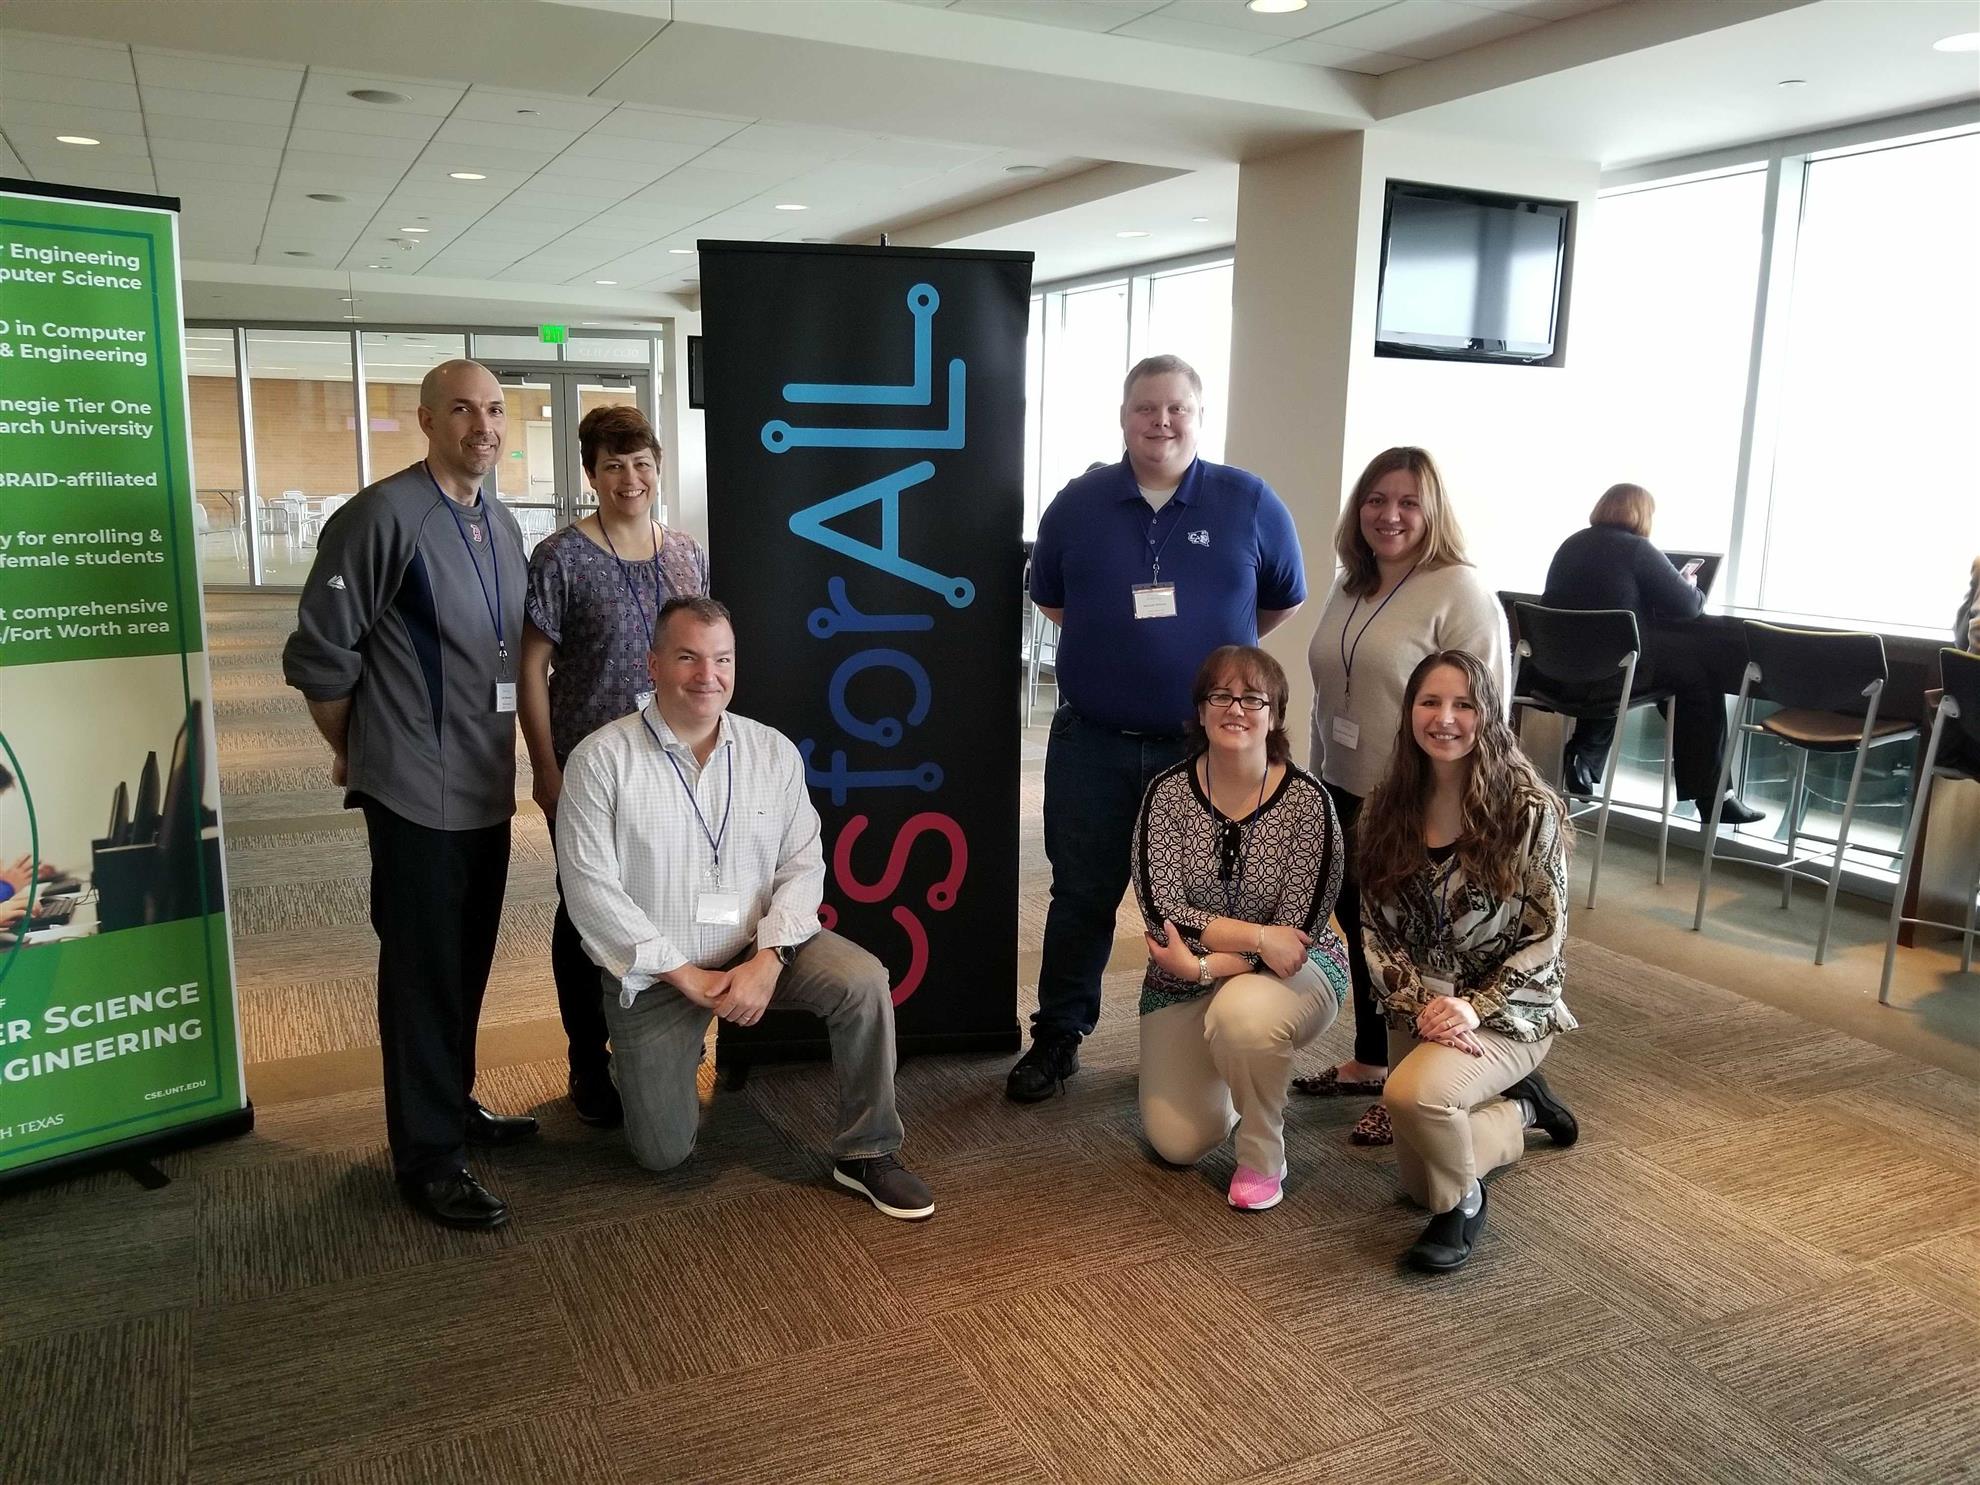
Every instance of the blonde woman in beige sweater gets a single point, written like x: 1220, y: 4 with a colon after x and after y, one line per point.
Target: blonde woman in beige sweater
x: 1405, y: 590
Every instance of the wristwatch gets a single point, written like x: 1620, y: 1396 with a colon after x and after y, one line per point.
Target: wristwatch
x: 785, y: 954
x: 1203, y: 976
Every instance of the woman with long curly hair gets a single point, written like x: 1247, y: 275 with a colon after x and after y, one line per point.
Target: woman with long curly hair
x: 1462, y: 858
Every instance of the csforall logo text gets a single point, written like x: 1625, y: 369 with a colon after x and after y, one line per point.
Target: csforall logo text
x: 839, y: 621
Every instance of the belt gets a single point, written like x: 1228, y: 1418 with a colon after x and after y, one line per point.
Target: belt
x: 1136, y: 733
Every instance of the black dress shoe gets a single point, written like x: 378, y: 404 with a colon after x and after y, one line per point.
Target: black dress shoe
x: 1043, y: 1070
x: 484, y: 1128
x: 1549, y: 1113
x: 457, y: 1200
x: 1446, y: 1243
x: 596, y: 1099
x: 1579, y: 777
x: 1735, y: 811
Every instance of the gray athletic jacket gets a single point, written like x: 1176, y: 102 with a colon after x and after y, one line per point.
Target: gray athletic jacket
x: 396, y: 615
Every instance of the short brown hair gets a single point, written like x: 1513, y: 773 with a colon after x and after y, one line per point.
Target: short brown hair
x: 1161, y: 366
x: 1628, y: 506
x: 1443, y: 541
x: 614, y: 430
x: 700, y: 608
x: 1253, y: 667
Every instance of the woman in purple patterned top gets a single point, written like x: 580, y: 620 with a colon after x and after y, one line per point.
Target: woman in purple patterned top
x: 595, y: 590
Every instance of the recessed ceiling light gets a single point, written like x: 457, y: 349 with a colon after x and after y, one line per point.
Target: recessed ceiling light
x: 353, y: 317
x: 415, y: 229
x: 296, y: 253
x: 465, y: 175
x: 525, y: 110
x: 791, y: 206
x: 607, y: 282
x: 374, y: 265
x: 686, y: 252
x: 76, y: 139
x: 1274, y: 7
x: 377, y: 95
x: 1792, y: 82
x: 347, y: 299
x: 1199, y: 219
x: 327, y: 196
x: 1966, y: 41
x: 591, y: 322
x: 1130, y: 234
x: 1024, y: 170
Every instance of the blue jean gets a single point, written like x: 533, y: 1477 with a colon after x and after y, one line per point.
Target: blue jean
x: 1094, y: 779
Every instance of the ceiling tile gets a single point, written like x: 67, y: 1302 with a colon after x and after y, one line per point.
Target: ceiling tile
x: 1425, y: 28
x: 1547, y: 10
x: 39, y: 145
x: 1073, y: 15
x: 692, y: 185
x: 228, y: 172
x: 48, y: 87
x: 1196, y: 36
x: 366, y: 147
x: 381, y: 123
x: 1317, y: 52
x: 210, y: 75
x: 494, y: 106
x: 96, y: 61
x: 311, y: 171
x: 813, y: 144
x: 266, y: 112
x: 659, y: 123
x: 667, y: 153
x: 46, y: 120
x: 10, y: 163
x: 210, y: 131
x: 1233, y: 15
x: 167, y: 151
x: 523, y: 139
x: 421, y: 97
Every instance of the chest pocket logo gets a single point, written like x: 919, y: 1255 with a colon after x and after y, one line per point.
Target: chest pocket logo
x: 1199, y: 538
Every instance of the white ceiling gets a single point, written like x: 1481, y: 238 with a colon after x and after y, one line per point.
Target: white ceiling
x: 615, y: 133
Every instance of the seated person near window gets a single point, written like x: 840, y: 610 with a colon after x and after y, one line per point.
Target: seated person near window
x: 1237, y: 861
x: 1463, y: 865
x: 1612, y: 564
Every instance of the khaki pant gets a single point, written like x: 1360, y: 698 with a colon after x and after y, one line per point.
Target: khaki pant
x: 1226, y: 1057
x: 1451, y: 1125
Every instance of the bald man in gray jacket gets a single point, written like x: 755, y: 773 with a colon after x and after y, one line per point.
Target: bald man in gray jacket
x: 405, y: 649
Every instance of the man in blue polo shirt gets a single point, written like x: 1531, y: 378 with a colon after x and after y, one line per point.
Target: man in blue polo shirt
x: 1147, y: 566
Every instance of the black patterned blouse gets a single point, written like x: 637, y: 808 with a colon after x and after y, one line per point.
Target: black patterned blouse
x: 1282, y: 865
x: 598, y: 612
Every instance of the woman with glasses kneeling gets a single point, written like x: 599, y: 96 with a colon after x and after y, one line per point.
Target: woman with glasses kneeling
x: 1237, y: 861
x: 1463, y: 867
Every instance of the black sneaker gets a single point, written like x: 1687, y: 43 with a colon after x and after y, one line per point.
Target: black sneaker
x: 1549, y: 1113
x: 596, y: 1098
x: 888, y: 1184
x: 1447, y: 1242
x: 1735, y: 811
x: 1042, y: 1071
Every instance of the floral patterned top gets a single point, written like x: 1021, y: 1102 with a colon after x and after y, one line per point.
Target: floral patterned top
x: 1281, y: 865
x: 598, y: 612
x: 1501, y: 954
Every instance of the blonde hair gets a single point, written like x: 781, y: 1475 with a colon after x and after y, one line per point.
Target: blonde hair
x: 1443, y: 540
x: 1628, y: 506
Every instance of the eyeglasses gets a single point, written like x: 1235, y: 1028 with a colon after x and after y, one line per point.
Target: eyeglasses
x: 1225, y: 700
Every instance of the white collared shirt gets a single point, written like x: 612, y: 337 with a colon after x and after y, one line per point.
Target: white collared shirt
x: 635, y: 857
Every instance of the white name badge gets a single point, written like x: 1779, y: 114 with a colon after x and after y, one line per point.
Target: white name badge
x: 642, y: 701
x: 1346, y: 732
x: 1438, y: 987
x: 722, y: 909
x: 505, y: 696
x: 1154, y: 600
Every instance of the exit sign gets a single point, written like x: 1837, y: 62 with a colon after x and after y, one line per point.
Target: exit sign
x: 552, y: 334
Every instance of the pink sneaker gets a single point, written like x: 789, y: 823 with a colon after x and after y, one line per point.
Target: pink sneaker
x: 1253, y: 1192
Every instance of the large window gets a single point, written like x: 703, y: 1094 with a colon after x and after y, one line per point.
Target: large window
x: 303, y: 442
x: 1083, y: 339
x: 1875, y: 497
x: 1665, y: 313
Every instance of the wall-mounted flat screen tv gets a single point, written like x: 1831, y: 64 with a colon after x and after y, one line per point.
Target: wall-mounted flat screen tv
x: 1470, y: 275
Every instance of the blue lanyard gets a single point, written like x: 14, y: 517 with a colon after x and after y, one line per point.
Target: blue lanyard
x: 624, y: 572
x: 1148, y: 536
x: 494, y: 560
x: 715, y: 837
x: 1347, y: 654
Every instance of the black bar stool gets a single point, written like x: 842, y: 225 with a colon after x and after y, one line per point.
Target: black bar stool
x: 1574, y: 657
x: 1959, y: 714
x: 1814, y: 675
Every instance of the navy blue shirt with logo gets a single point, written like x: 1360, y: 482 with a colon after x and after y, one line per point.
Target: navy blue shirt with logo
x: 1226, y: 542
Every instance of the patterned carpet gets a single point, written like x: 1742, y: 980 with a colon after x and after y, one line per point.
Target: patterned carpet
x: 1758, y: 1265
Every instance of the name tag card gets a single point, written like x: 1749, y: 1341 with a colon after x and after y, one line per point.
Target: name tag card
x: 1154, y: 600
x: 1438, y: 987
x: 505, y: 696
x: 722, y: 909
x: 1346, y: 732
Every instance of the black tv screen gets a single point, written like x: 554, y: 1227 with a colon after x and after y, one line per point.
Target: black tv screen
x: 1469, y: 275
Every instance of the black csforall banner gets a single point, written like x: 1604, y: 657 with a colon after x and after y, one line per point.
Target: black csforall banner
x: 865, y: 426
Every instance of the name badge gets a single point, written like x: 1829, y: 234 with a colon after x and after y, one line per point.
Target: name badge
x: 721, y: 909
x: 1438, y: 987
x: 642, y: 701
x: 1347, y: 732
x: 1154, y: 600
x: 505, y: 696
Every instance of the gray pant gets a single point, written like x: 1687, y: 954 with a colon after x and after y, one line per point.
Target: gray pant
x: 657, y: 1044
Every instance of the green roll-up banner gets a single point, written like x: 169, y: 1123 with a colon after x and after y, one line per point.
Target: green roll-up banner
x: 117, y: 1026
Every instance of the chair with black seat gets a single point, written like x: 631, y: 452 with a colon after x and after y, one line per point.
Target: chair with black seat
x: 1952, y: 751
x: 1573, y: 660
x: 1816, y: 677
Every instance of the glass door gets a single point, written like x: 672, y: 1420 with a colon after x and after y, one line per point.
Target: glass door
x: 540, y: 476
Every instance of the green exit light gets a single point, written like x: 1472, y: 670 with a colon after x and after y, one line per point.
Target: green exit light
x: 552, y: 334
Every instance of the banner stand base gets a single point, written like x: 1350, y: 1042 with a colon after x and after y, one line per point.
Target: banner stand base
x: 130, y: 1156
